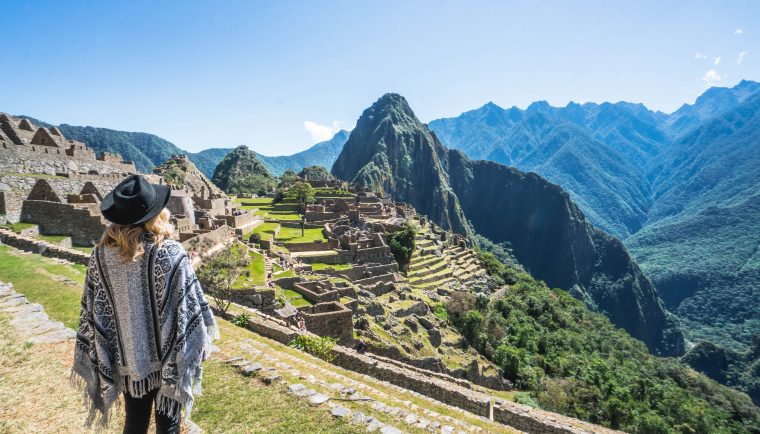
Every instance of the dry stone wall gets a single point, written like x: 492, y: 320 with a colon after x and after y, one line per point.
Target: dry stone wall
x: 34, y: 245
x: 54, y: 218
x: 518, y: 416
x: 50, y: 160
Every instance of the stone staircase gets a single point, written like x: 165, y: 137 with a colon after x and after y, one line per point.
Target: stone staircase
x: 268, y: 269
x: 30, y: 320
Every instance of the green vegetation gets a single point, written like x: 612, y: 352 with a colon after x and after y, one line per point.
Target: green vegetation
x: 401, y: 243
x: 709, y: 278
x: 318, y: 266
x: 294, y: 235
x: 317, y: 346
x: 230, y: 403
x: 315, y: 173
x: 295, y: 298
x: 174, y: 172
x: 233, y: 404
x: 303, y: 193
x: 738, y: 370
x: 266, y: 228
x: 255, y: 201
x: 502, y: 273
x: 52, y: 239
x: 241, y: 319
x: 253, y: 274
x: 575, y: 362
x: 18, y: 227
x: 282, y: 215
x: 58, y: 286
x: 286, y: 273
x: 332, y: 192
x: 218, y: 274
x: 241, y: 172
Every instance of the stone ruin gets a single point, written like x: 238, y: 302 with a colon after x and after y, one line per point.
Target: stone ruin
x: 58, y: 184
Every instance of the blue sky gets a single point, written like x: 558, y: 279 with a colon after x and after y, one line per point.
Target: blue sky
x: 280, y: 75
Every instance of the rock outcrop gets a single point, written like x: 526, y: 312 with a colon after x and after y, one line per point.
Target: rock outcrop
x: 391, y: 150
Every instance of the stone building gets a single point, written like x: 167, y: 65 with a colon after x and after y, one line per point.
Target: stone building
x: 58, y: 184
x: 29, y: 153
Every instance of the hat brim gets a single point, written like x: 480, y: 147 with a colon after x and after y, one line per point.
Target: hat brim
x: 163, y: 193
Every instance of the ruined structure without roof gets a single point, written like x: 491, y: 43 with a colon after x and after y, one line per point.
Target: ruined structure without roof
x: 57, y: 184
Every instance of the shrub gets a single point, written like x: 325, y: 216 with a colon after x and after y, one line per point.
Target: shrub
x: 402, y: 246
x: 241, y: 320
x: 318, y: 346
x: 219, y: 273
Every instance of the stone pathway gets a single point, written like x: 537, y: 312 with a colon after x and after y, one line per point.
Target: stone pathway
x: 30, y: 319
x: 345, y: 397
x: 268, y: 269
x: 33, y: 325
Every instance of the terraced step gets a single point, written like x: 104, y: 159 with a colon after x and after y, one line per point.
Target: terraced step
x: 432, y: 277
x: 426, y: 261
x: 429, y: 271
x: 434, y: 284
x: 422, y: 244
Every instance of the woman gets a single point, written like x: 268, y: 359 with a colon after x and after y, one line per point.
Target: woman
x: 145, y: 325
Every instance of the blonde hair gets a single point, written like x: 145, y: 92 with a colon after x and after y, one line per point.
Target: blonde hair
x: 128, y: 238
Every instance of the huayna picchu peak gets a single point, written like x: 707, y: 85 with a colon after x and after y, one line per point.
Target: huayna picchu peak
x: 392, y: 151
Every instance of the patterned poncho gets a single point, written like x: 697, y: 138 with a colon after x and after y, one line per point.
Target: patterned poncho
x: 144, y: 325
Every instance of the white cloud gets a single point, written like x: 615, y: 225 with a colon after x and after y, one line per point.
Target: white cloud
x: 716, y: 61
x: 711, y: 78
x: 320, y: 133
x: 700, y: 56
x: 738, y: 31
x: 741, y: 57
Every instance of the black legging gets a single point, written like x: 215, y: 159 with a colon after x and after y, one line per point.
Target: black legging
x: 138, y: 416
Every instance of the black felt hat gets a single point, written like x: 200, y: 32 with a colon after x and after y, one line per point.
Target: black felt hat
x: 134, y: 201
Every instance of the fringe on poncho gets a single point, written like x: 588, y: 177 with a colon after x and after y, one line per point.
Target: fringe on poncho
x: 144, y: 325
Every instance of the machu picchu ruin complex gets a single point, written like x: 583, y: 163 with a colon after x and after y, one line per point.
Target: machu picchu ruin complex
x: 325, y: 267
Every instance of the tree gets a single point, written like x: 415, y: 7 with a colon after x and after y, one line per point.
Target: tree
x: 303, y: 193
x: 402, y: 245
x: 287, y: 179
x: 218, y: 274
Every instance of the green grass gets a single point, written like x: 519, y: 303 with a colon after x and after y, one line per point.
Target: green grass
x: 293, y: 235
x: 256, y: 269
x: 259, y: 201
x: 18, y: 227
x: 230, y: 403
x: 295, y: 298
x: 84, y: 249
x: 345, y: 300
x: 284, y: 215
x: 57, y: 286
x: 54, y: 239
x: 265, y: 228
x: 263, y: 207
x: 318, y: 266
x: 286, y: 273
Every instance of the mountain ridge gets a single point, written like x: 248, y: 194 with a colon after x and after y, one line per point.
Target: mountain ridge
x: 675, y: 187
x: 149, y: 151
x: 392, y: 150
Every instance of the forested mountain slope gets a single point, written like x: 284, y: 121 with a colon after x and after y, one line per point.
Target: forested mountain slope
x: 392, y: 150
x: 149, y: 151
x: 679, y: 189
x: 701, y: 246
